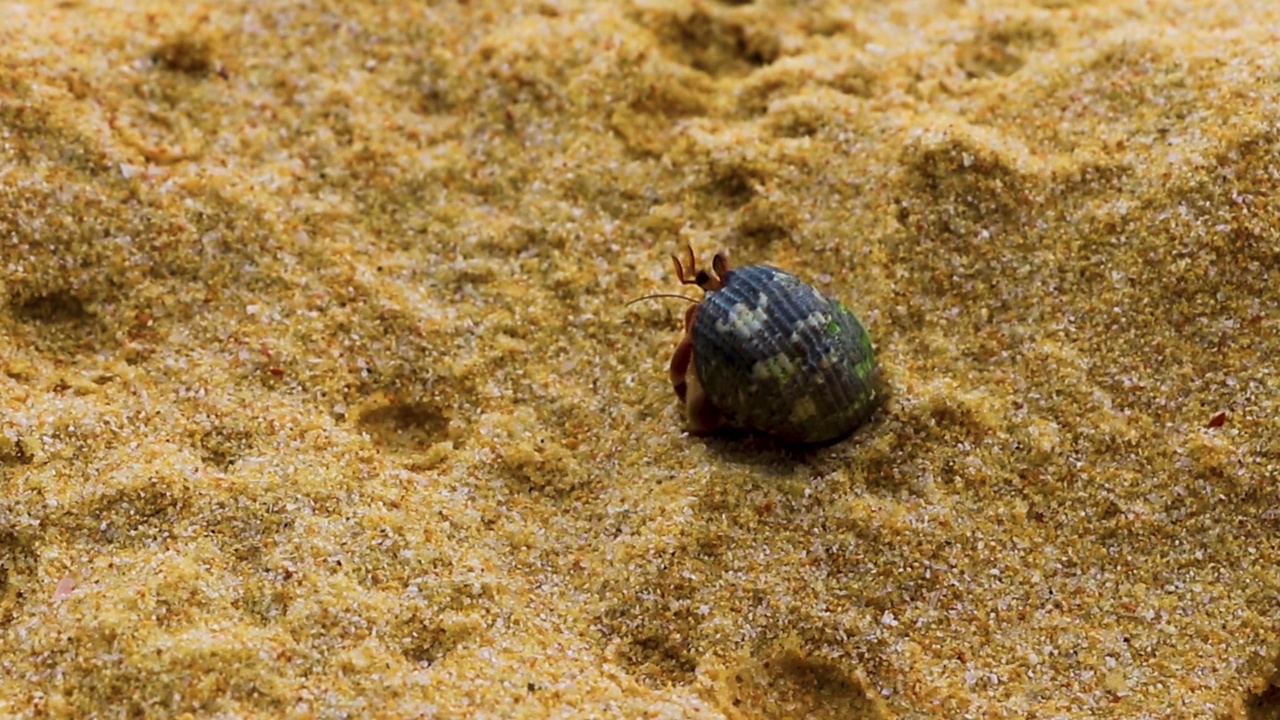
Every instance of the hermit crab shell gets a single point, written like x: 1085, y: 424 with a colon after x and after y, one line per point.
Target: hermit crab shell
x: 774, y: 355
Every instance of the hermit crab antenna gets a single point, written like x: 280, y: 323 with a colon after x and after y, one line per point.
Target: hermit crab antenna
x: 660, y: 295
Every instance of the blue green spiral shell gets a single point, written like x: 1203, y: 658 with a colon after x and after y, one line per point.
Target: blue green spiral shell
x: 774, y: 355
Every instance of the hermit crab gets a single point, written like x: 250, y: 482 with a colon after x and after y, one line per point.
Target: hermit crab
x: 764, y: 351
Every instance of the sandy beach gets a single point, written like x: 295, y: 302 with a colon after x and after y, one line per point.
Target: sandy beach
x: 320, y: 396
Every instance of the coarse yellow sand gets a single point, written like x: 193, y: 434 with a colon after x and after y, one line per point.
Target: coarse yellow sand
x: 319, y: 397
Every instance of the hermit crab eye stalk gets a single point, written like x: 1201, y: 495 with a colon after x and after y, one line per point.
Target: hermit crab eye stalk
x: 720, y: 264
x: 688, y: 273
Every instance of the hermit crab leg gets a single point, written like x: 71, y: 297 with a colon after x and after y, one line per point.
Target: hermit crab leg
x: 701, y: 416
x: 683, y: 356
